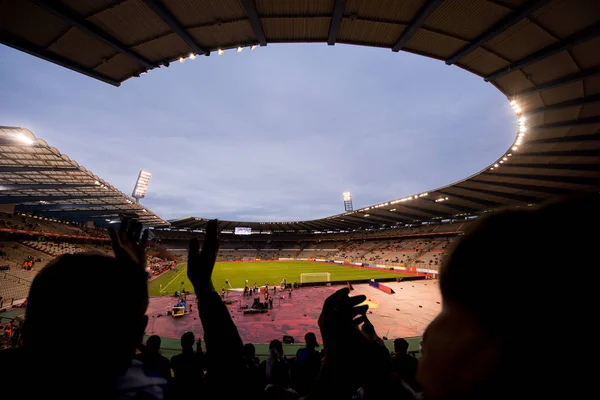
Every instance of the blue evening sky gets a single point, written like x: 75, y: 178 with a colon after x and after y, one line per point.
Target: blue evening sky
x: 273, y: 134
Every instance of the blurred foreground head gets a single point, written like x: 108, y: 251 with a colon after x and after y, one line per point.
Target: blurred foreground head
x: 86, y: 311
x: 513, y: 285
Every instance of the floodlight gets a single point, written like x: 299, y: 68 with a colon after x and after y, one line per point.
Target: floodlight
x: 347, y: 197
x: 239, y: 49
x: 253, y: 47
x: 141, y: 185
x: 192, y: 56
x: 220, y: 52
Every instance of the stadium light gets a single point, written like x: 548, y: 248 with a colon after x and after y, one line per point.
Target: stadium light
x: 347, y: 197
x: 192, y: 56
x: 220, y: 52
x: 253, y: 47
x: 141, y: 185
x: 239, y: 49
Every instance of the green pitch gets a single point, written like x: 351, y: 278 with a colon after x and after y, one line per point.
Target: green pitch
x: 261, y: 272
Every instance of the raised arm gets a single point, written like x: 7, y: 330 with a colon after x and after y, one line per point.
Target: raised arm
x: 223, y: 343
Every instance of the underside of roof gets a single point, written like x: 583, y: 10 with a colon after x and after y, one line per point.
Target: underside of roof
x: 542, y: 54
x: 38, y: 180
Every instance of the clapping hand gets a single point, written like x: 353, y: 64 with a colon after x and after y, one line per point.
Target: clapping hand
x: 202, y: 263
x: 129, y: 243
x: 348, y: 351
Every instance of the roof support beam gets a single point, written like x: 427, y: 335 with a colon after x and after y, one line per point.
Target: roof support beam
x: 576, y: 77
x: 483, y: 202
x: 29, y: 199
x: 84, y: 213
x: 92, y: 30
x: 555, y: 48
x: 502, y: 195
x: 567, y: 139
x: 497, y: 29
x: 425, y: 211
x: 566, y: 104
x: 575, y: 180
x: 252, y: 13
x: 40, y: 52
x: 66, y: 207
x: 529, y: 188
x: 563, y: 124
x: 557, y: 167
x: 422, y: 15
x: 408, y: 217
x: 454, y: 207
x: 18, y: 186
x: 572, y: 153
x: 159, y: 9
x: 17, y: 169
x: 336, y: 21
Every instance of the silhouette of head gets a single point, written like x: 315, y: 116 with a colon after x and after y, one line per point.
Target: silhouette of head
x: 276, y: 345
x: 153, y: 344
x: 501, y: 291
x: 400, y: 346
x: 70, y: 287
x: 249, y: 350
x: 188, y: 340
x: 311, y: 340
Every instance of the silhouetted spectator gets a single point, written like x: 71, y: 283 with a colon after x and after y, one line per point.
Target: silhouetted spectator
x: 155, y: 363
x: 307, y: 365
x: 188, y: 368
x: 405, y: 365
x: 73, y: 362
x: 473, y: 348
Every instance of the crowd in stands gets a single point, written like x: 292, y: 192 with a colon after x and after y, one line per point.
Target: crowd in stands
x: 157, y: 266
x: 40, y: 224
x: 422, y: 252
x: 495, y: 337
x: 10, y: 333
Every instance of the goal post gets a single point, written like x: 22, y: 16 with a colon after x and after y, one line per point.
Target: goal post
x: 311, y: 277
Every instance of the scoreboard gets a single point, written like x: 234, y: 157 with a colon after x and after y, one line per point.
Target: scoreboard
x: 242, y: 231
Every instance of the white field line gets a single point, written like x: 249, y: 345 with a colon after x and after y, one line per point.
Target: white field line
x: 176, y: 276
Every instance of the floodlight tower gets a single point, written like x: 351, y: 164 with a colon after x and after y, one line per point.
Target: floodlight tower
x: 141, y: 185
x: 347, y: 196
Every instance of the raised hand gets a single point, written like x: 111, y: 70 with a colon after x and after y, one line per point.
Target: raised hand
x: 202, y: 263
x: 127, y: 244
x: 347, y: 349
x: 341, y: 312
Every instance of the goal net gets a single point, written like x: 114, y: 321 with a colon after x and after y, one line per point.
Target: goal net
x: 315, y: 277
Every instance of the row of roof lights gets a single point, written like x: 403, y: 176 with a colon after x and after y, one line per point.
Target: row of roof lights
x: 441, y: 199
x: 520, y: 136
x: 192, y: 56
x: 409, y: 198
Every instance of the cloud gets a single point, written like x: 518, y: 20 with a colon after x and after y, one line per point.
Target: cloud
x: 274, y: 134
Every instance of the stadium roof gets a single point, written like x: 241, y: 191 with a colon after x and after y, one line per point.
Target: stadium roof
x: 542, y: 54
x: 39, y: 180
